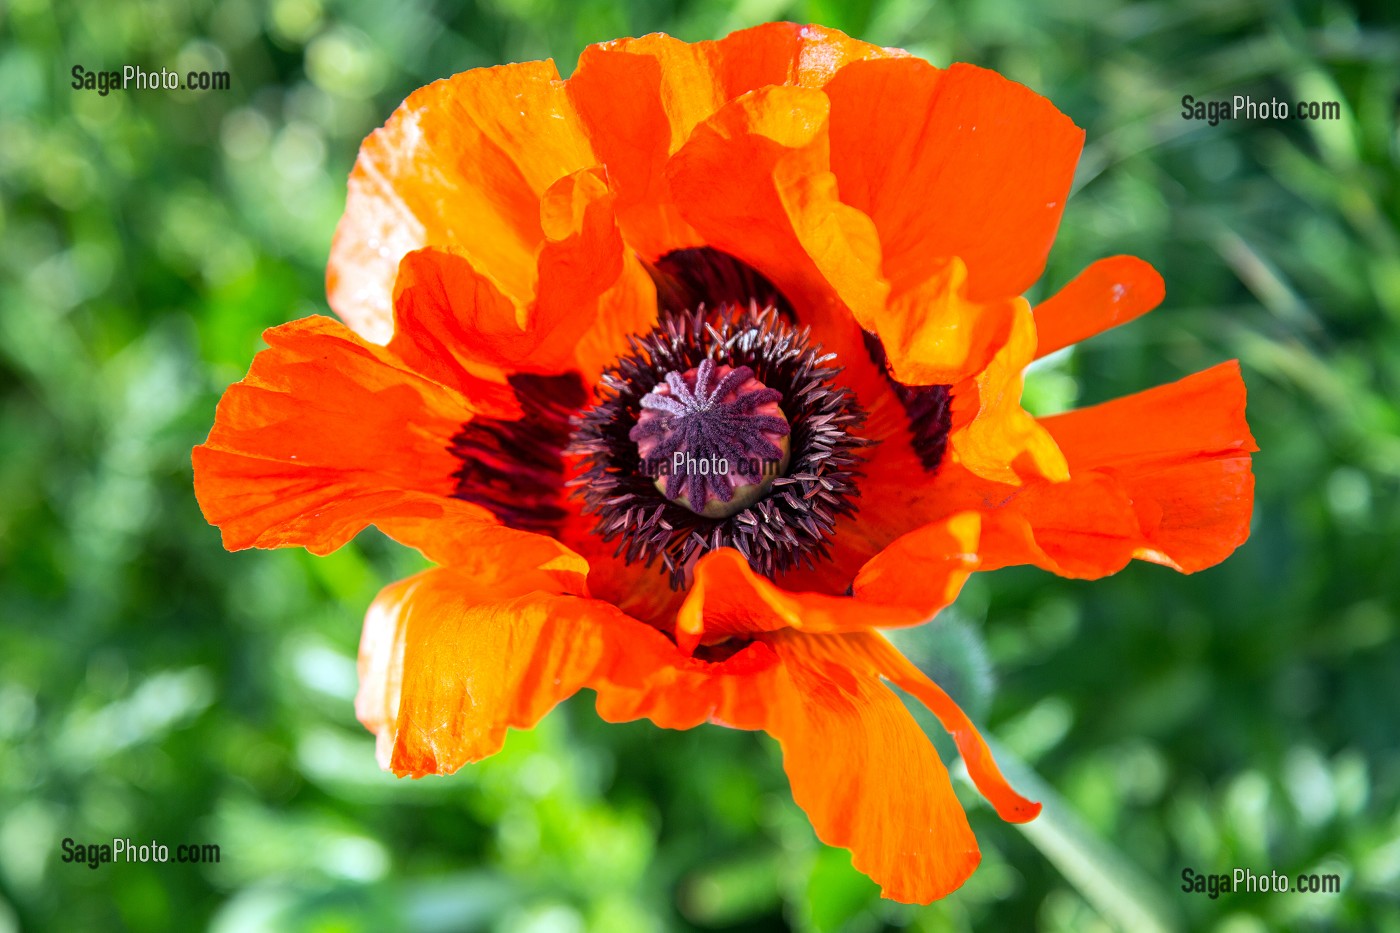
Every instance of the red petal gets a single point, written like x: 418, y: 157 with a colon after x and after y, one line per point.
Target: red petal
x: 950, y: 163
x: 449, y: 660
x: 485, y: 145
x: 1110, y: 292
x: 1180, y: 453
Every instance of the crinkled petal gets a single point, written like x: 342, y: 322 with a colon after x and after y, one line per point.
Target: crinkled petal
x: 328, y: 433
x: 462, y: 165
x: 962, y: 162
x: 788, y: 53
x: 1110, y: 292
x: 859, y: 765
x: 992, y: 435
x: 905, y: 584
x: 592, y: 294
x: 449, y: 660
x: 682, y: 692
x: 1180, y: 454
x: 1163, y: 475
x: 728, y: 599
x: 864, y: 772
x: 755, y: 181
x: 1084, y: 528
x: 672, y: 87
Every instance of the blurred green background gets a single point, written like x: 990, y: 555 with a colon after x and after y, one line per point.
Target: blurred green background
x: 153, y: 686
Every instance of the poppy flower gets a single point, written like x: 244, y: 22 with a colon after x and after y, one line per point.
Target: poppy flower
x: 788, y: 251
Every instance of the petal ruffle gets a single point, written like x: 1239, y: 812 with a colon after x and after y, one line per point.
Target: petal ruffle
x: 923, y: 569
x: 592, y: 294
x: 1110, y: 292
x: 859, y: 765
x: 755, y: 181
x: 487, y: 144
x: 727, y: 599
x: 1163, y: 475
x: 907, y: 583
x: 329, y: 433
x: 672, y: 87
x: 1180, y: 454
x: 450, y: 660
x: 593, y: 291
x: 992, y: 435
x: 863, y: 770
x: 1084, y: 528
x: 325, y: 433
x: 961, y: 162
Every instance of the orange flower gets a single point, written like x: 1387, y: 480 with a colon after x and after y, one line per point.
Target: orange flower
x: 527, y: 265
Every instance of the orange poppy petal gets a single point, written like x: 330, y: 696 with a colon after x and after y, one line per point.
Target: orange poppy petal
x: 593, y: 291
x: 864, y: 772
x: 961, y: 162
x: 727, y: 598
x: 1180, y: 453
x: 465, y: 324
x: 655, y: 681
x: 981, y: 767
x: 452, y: 319
x: 755, y: 181
x: 1110, y: 292
x: 1083, y: 528
x: 905, y: 584
x: 328, y: 433
x: 449, y: 660
x: 488, y: 142
x: 672, y: 87
x: 1200, y: 417
x: 934, y: 335
x: 924, y: 568
x: 324, y: 432
x: 859, y: 765
x: 992, y: 435
x: 788, y: 53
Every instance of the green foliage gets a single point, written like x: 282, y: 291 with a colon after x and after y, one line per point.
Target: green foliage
x: 153, y: 686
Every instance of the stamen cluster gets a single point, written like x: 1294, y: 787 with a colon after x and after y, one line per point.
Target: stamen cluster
x: 783, y: 529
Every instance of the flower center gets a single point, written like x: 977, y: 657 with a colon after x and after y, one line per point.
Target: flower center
x: 714, y: 438
x: 731, y: 383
